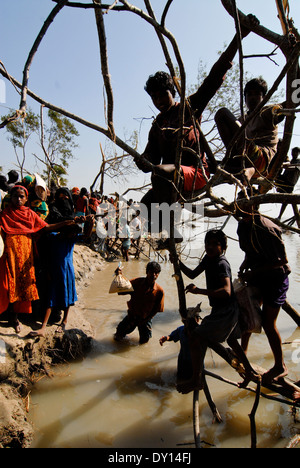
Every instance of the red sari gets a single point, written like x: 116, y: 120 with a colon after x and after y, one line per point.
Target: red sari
x: 17, y: 273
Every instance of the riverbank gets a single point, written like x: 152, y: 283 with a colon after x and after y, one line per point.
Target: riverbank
x: 24, y: 361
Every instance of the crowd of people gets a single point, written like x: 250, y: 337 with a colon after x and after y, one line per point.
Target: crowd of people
x: 39, y: 229
x: 265, y: 267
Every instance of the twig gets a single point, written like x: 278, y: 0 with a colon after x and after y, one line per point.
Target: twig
x: 105, y: 68
x: 294, y: 442
x: 34, y: 49
x: 164, y: 15
x: 253, y: 414
x: 293, y: 58
x: 196, y: 421
x: 75, y: 117
x: 241, y: 56
x: 249, y: 389
x: 282, y: 17
x: 50, y: 164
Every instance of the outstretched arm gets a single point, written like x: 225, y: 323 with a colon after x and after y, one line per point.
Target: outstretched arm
x: 223, y: 293
x: 192, y: 274
x: 217, y: 75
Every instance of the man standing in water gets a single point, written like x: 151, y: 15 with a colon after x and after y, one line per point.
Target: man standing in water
x: 266, y: 267
x: 146, y: 301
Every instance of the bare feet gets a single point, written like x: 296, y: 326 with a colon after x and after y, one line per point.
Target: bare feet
x: 249, y: 377
x: 275, y: 374
x: 296, y: 397
x: 17, y: 326
x: 34, y: 334
x: 61, y: 328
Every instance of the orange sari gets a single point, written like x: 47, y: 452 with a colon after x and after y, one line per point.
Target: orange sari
x: 17, y: 272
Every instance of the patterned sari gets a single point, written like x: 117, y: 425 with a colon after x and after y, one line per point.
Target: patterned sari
x: 17, y: 272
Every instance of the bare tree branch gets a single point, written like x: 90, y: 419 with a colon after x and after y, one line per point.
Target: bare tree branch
x: 37, y: 42
x: 75, y: 117
x: 105, y: 68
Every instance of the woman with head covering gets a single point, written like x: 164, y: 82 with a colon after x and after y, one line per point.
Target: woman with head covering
x: 63, y: 207
x: 18, y: 224
x: 37, y: 194
x: 62, y: 294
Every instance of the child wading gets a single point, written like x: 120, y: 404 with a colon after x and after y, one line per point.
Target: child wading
x: 222, y: 324
x: 181, y: 334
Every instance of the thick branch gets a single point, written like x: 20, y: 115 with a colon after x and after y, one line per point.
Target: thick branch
x: 280, y: 41
x: 34, y: 49
x: 104, y: 67
x: 293, y: 58
x: 86, y: 123
x: 90, y: 6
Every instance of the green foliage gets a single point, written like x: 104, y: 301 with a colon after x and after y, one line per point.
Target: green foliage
x: 19, y: 133
x: 21, y: 130
x: 228, y: 96
x: 59, y: 145
x: 57, y: 142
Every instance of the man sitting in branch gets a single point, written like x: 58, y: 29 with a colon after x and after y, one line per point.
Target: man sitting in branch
x: 160, y: 154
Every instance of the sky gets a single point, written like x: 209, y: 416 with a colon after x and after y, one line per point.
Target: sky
x: 66, y: 69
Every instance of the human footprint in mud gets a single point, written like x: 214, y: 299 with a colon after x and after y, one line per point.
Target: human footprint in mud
x: 222, y: 324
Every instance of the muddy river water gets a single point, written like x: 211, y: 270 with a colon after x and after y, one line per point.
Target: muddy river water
x: 123, y: 395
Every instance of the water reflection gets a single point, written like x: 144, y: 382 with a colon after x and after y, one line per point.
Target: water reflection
x: 123, y: 394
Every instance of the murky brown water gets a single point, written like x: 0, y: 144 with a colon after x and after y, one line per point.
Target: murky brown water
x: 123, y: 395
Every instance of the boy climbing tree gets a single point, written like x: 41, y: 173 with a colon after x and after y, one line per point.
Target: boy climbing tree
x: 160, y: 154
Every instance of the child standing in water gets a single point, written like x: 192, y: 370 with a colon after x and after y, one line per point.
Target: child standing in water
x: 222, y: 324
x: 184, y: 362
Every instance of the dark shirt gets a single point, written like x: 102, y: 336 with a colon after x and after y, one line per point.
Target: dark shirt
x: 292, y: 174
x: 162, y: 143
x: 261, y: 240
x: 216, y: 269
x: 180, y: 335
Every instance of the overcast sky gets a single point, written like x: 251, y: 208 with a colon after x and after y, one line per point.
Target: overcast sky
x: 66, y: 69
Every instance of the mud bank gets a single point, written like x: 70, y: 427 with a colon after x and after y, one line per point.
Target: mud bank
x: 23, y: 361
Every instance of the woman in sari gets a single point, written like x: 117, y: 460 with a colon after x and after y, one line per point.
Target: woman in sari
x: 18, y: 224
